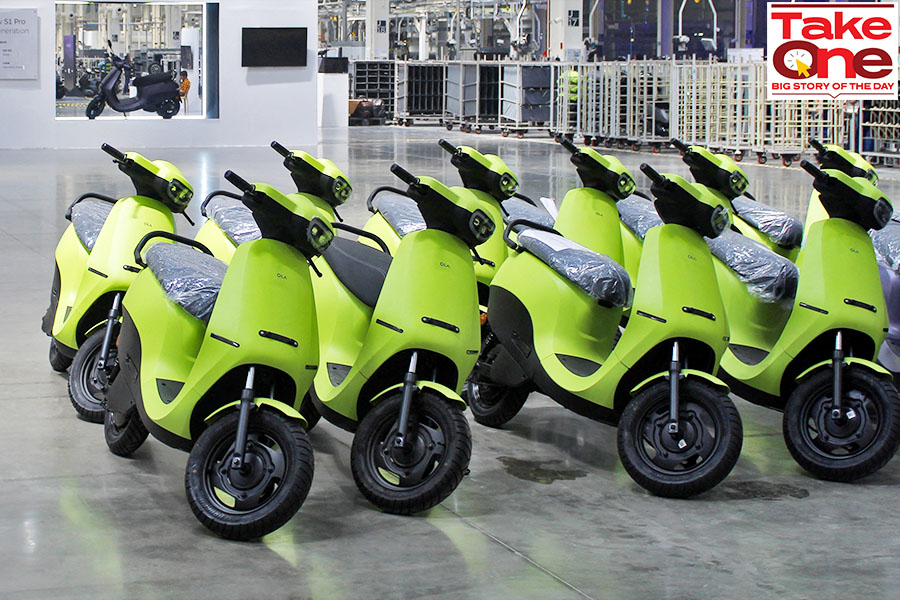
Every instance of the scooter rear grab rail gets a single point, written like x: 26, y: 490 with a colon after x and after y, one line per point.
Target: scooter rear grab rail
x: 378, y: 190
x: 215, y: 193
x: 139, y: 260
x: 85, y: 197
x: 363, y: 233
x: 532, y: 224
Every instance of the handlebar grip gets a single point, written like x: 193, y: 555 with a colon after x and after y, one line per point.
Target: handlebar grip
x: 112, y: 152
x: 404, y: 175
x: 280, y: 149
x: 819, y: 146
x: 565, y: 143
x: 813, y: 170
x: 450, y: 148
x: 235, y: 180
x: 681, y: 146
x: 653, y: 174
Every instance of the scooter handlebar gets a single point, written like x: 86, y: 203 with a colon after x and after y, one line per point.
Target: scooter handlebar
x: 450, y: 148
x: 235, y: 180
x: 813, y: 170
x: 565, y: 143
x: 120, y: 156
x: 681, y: 146
x: 820, y: 148
x: 404, y: 175
x: 653, y: 174
x: 281, y: 149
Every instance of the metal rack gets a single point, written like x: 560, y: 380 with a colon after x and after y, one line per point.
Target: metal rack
x: 373, y: 79
x: 525, y: 97
x: 419, y: 92
x: 879, y: 131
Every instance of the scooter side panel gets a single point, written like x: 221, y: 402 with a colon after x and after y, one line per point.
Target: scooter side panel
x: 590, y: 218
x: 380, y: 227
x: 815, y: 212
x: 212, y: 236
x: 71, y: 259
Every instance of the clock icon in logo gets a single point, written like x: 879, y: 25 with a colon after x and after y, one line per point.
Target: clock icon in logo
x: 800, y: 61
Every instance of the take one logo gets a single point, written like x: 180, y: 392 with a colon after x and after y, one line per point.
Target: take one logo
x: 837, y: 50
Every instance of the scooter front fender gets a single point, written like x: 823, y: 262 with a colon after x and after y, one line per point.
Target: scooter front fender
x: 286, y: 410
x: 692, y: 373
x: 441, y: 390
x: 877, y: 369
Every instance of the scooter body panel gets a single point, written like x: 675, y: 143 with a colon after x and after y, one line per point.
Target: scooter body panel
x: 589, y: 217
x: 379, y: 226
x: 266, y: 290
x: 889, y: 354
x: 86, y: 278
x: 839, y: 289
x: 429, y: 290
x: 212, y: 236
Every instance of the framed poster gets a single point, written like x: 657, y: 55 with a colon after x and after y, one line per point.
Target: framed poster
x: 18, y: 44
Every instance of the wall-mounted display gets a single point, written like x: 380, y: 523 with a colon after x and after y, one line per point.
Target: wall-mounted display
x: 273, y: 47
x: 19, y: 44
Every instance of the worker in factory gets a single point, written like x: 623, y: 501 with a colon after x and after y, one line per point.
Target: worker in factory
x: 184, y: 88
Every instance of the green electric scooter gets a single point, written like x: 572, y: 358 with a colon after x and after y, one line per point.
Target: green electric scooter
x: 216, y: 360
x: 95, y: 266
x: 811, y: 352
x: 554, y: 313
x: 229, y: 223
x: 397, y: 338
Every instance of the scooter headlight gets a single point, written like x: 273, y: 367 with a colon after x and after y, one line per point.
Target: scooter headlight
x: 341, y: 189
x: 319, y: 235
x: 625, y: 185
x: 882, y: 212
x: 738, y: 183
x: 508, y: 184
x: 719, y: 219
x: 481, y: 226
x: 872, y: 176
x: 179, y: 194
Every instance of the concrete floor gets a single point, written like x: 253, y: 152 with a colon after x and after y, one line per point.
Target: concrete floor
x: 547, y: 511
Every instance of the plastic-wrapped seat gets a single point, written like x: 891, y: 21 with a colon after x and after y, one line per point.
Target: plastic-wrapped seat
x: 191, y: 279
x: 400, y: 212
x: 600, y: 276
x: 234, y: 219
x: 638, y: 215
x: 519, y: 209
x: 778, y: 226
x: 768, y: 276
x: 88, y: 217
x: 887, y: 244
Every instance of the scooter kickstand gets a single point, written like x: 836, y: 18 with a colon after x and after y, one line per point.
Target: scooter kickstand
x: 674, y: 380
x: 837, y: 386
x: 409, y: 388
x: 240, y: 442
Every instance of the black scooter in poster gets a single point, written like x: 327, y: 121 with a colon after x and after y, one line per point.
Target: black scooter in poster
x: 155, y: 93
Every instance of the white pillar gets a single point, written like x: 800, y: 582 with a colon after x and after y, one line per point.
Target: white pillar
x: 191, y: 37
x: 565, y: 31
x: 378, y: 14
x: 423, y: 38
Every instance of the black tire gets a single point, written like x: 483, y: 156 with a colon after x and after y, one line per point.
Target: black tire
x: 843, y: 451
x: 278, y: 481
x: 168, y: 108
x: 652, y: 456
x: 95, y: 107
x: 309, y: 412
x: 437, y: 458
x: 85, y: 391
x: 58, y: 361
x: 494, y: 405
x: 124, y: 434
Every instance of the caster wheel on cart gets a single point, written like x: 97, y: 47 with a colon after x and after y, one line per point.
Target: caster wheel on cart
x: 550, y: 133
x: 636, y: 147
x: 620, y: 145
x: 738, y: 156
x: 761, y: 158
x: 787, y: 160
x: 655, y: 148
x: 607, y: 143
x: 477, y: 130
x: 449, y: 126
x: 504, y: 133
x: 520, y: 135
x: 595, y: 141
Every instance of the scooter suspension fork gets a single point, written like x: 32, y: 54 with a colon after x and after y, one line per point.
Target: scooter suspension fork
x: 247, y: 405
x: 409, y: 390
x: 112, y: 322
x: 837, y: 383
x: 674, y: 382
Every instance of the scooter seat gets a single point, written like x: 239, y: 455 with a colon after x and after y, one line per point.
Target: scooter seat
x: 600, y: 276
x: 234, y: 219
x: 767, y: 275
x: 519, y: 209
x: 362, y: 269
x: 150, y: 79
x: 778, y: 226
x: 887, y: 244
x: 400, y: 212
x: 638, y: 215
x: 190, y: 278
x: 88, y: 217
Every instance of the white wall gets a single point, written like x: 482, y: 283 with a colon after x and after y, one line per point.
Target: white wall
x: 256, y: 105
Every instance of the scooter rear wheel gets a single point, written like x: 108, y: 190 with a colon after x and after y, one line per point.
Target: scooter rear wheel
x: 709, y: 426
x: 58, y: 361
x: 85, y: 390
x: 848, y: 448
x: 426, y: 470
x: 124, y: 434
x: 494, y: 405
x: 244, y: 504
x: 168, y: 108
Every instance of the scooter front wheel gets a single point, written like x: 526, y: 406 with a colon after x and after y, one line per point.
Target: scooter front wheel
x: 124, y: 434
x: 168, y: 108
x: 494, y: 405
x: 243, y: 503
x: 691, y: 461
x: 859, y: 442
x: 95, y: 107
x: 85, y: 389
x: 428, y: 467
x: 58, y: 361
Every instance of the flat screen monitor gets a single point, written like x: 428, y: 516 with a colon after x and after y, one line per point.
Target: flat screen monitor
x: 273, y: 47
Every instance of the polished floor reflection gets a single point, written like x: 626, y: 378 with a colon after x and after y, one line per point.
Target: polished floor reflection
x: 546, y: 512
